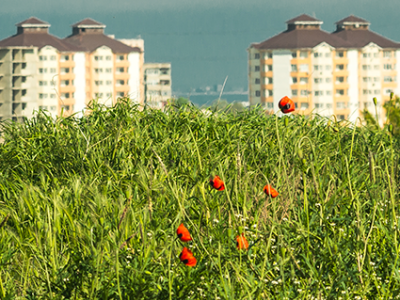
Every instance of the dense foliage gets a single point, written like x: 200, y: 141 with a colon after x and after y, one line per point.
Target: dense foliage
x: 90, y: 207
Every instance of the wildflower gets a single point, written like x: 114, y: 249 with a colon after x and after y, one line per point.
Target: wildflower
x: 274, y: 282
x: 216, y: 221
x: 270, y: 191
x: 183, y: 233
x: 286, y: 105
x: 217, y: 183
x: 241, y: 242
x: 187, y: 257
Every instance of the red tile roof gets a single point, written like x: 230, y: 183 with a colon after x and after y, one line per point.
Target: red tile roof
x: 302, y: 38
x: 352, y: 19
x: 361, y: 38
x: 92, y: 41
x: 33, y: 21
x: 88, y: 22
x: 39, y: 40
x: 303, y: 18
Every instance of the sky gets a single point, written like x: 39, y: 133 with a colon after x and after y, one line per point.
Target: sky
x: 204, y: 40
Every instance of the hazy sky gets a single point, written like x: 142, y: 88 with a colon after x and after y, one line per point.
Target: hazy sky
x: 205, y: 40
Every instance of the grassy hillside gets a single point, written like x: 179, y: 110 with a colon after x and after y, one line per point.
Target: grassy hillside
x: 91, y: 207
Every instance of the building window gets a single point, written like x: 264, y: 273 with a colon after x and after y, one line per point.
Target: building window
x: 340, y: 117
x: 294, y: 80
x: 256, y: 55
x: 108, y: 57
x: 303, y: 80
x: 257, y: 68
x: 42, y: 70
x: 98, y: 82
x: 258, y: 94
x: 317, y: 54
x: 42, y: 57
x: 52, y: 96
x: 294, y: 54
x: 64, y: 57
x: 64, y: 82
x: 108, y: 82
x: 366, y: 79
x: 97, y: 58
x: 65, y: 70
x: 294, y: 68
x: 377, y: 92
x: 367, y: 92
x: 42, y: 83
x: 53, y: 57
x: 269, y: 67
x: 303, y: 105
x: 122, y: 82
x: 108, y: 70
x: 388, y: 91
x: 340, y: 79
x: 304, y: 68
x: 120, y: 70
x: 328, y: 67
x: 327, y: 55
x: 317, y: 80
x: 294, y: 93
x: 318, y: 68
x: 387, y: 54
x: 339, y: 92
x: 339, y: 67
x: 257, y: 81
x: 365, y: 55
x: 328, y: 93
x: 270, y: 93
x: 42, y: 96
x: 389, y: 79
x: 269, y: 80
x: 303, y: 54
x: 98, y: 70
x: 328, y: 80
x: 163, y: 82
x: 366, y: 67
x: 339, y: 54
x: 319, y: 105
x: 304, y: 93
x: 53, y: 70
x: 108, y: 95
x: 340, y: 105
x: 270, y: 105
x: 65, y: 95
x: 387, y: 67
x: 121, y: 57
x: 23, y: 79
x: 318, y: 93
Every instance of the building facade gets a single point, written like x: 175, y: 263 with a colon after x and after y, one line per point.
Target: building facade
x: 158, y: 83
x: 335, y: 73
x: 41, y: 71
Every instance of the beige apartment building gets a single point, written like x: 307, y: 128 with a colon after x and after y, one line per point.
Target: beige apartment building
x: 335, y: 73
x: 158, y: 83
x: 39, y: 70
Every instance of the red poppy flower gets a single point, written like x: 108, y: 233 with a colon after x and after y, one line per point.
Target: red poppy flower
x: 241, y: 242
x: 286, y: 105
x: 217, y: 183
x: 187, y: 257
x: 270, y: 191
x: 183, y: 233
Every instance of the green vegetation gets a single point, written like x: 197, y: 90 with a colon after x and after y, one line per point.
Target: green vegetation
x: 90, y: 207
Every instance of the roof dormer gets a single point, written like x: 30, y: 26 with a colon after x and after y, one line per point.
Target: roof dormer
x: 32, y: 25
x: 88, y: 26
x: 352, y: 23
x: 304, y: 22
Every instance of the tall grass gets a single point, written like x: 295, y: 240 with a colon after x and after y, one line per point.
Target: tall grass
x: 91, y: 206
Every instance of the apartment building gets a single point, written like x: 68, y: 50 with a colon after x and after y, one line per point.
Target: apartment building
x: 39, y: 70
x: 158, y: 83
x: 335, y: 73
